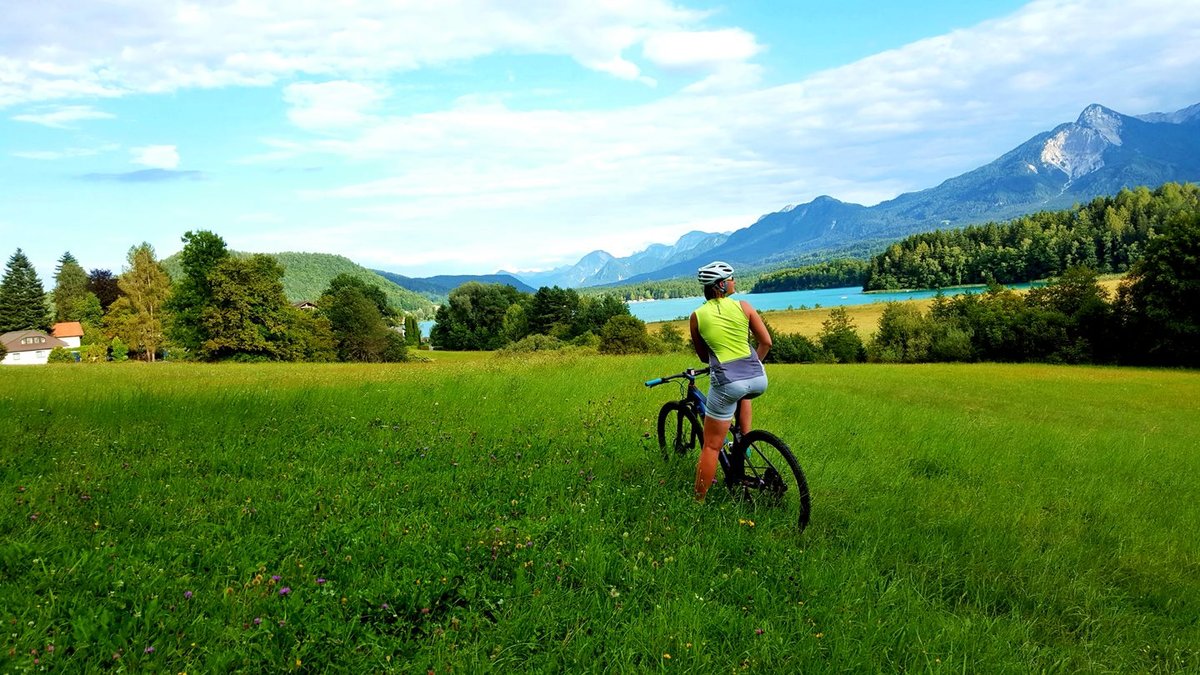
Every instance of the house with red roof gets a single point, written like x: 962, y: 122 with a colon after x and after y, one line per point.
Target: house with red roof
x: 28, y: 347
x: 70, y: 332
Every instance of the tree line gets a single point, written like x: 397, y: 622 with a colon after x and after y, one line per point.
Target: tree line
x: 480, y: 316
x: 1107, y: 235
x: 221, y: 307
x: 1152, y: 319
x: 831, y: 274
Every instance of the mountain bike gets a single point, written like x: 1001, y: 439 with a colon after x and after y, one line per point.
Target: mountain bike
x: 759, y: 468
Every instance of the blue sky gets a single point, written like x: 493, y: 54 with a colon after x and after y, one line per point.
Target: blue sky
x: 467, y: 136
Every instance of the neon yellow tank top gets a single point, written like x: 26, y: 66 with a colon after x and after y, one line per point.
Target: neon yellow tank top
x: 725, y: 329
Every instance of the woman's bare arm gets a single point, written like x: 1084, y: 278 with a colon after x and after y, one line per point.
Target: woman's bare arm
x: 759, y: 329
x: 698, y: 342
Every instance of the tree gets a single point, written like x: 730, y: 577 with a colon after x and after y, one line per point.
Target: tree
x: 247, y: 315
x: 22, y: 299
x: 192, y: 294
x: 904, y: 335
x: 625, y: 335
x: 473, y: 317
x: 372, y: 292
x: 103, y: 284
x: 1158, y: 302
x: 359, y: 330
x: 139, y: 314
x: 412, y: 331
x: 72, y: 299
x: 839, y: 338
x: 552, y: 311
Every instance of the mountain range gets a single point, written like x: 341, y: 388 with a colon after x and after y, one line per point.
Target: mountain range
x: 1099, y: 153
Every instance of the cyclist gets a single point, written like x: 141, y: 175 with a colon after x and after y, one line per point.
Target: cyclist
x: 720, y: 329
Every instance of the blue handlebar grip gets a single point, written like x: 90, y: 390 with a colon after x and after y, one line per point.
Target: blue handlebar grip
x: 655, y: 381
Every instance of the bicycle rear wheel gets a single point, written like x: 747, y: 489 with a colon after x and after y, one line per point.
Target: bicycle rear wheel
x: 679, y: 432
x: 772, y: 478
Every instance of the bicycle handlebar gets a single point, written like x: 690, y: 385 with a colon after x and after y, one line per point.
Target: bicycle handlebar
x: 690, y: 373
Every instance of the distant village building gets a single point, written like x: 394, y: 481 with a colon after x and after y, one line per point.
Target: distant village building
x: 28, y: 347
x: 70, y: 332
x: 306, y: 305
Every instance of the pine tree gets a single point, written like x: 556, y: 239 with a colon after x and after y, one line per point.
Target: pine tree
x: 22, y: 299
x: 138, y: 315
x: 72, y: 299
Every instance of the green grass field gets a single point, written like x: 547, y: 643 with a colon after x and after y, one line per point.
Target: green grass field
x: 500, y: 514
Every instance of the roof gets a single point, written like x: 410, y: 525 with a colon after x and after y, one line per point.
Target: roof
x: 67, y: 329
x: 12, y: 341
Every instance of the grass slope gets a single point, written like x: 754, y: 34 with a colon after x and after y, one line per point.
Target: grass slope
x: 307, y: 275
x: 491, y: 515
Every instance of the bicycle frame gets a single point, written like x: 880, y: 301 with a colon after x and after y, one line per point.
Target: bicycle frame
x: 733, y: 467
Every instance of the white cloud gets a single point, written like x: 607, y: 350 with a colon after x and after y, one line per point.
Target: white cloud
x: 902, y: 120
x: 63, y: 117
x: 700, y: 49
x: 57, y: 49
x: 330, y: 105
x: 155, y: 156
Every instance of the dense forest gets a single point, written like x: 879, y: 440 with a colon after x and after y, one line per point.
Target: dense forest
x: 832, y: 274
x: 1106, y: 235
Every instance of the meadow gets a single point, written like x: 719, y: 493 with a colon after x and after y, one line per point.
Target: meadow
x: 487, y: 514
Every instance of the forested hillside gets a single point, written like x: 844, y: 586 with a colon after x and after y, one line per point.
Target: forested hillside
x: 307, y: 275
x: 1106, y: 235
x: 832, y: 274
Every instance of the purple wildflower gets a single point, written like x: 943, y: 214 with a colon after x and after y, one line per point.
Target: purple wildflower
x: 187, y: 595
x: 149, y: 650
x: 258, y: 621
x: 320, y: 580
x: 275, y: 577
x: 285, y: 590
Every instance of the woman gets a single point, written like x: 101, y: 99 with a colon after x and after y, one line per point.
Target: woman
x: 720, y: 333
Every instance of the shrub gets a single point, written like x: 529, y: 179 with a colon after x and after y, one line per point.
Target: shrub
x: 904, y: 335
x: 120, y: 351
x: 61, y: 355
x: 839, y: 338
x: 534, y: 343
x: 625, y: 335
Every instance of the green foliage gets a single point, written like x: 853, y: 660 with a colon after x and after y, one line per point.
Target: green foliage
x: 94, y: 352
x: 247, y: 316
x: 831, y: 274
x: 1106, y: 235
x: 358, y: 326
x: 1160, y: 301
x: 22, y: 299
x: 840, y: 339
x: 905, y: 335
x: 412, y: 331
x: 396, y: 348
x: 791, y: 348
x: 192, y: 292
x: 534, y: 343
x: 312, y: 335
x: 624, y: 334
x: 671, y: 338
x: 139, y: 314
x: 60, y: 355
x: 72, y: 299
x: 473, y: 317
x: 120, y: 351
x: 307, y: 275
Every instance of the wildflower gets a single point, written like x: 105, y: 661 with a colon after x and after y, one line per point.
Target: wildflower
x: 149, y: 650
x: 320, y: 580
x: 49, y: 649
x: 275, y: 577
x: 666, y: 656
x: 282, y: 623
x: 285, y: 590
x: 258, y: 621
x: 187, y: 595
x: 758, y: 631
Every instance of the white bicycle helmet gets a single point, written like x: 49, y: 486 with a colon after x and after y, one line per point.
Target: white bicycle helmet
x: 713, y: 272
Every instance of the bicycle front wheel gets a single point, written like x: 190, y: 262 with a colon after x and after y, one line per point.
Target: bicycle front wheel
x: 679, y: 432
x: 772, y: 478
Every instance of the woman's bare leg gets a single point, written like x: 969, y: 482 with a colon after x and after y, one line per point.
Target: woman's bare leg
x: 706, y: 468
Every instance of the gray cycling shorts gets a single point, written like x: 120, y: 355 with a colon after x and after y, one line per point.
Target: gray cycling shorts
x: 722, y: 399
